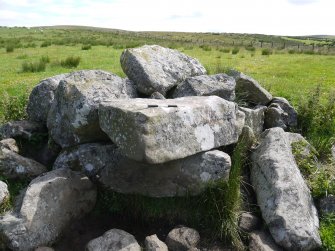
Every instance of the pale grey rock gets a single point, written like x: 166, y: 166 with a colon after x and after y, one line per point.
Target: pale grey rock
x: 9, y: 144
x: 249, y: 89
x: 249, y: 222
x: 327, y: 205
x: 333, y: 152
x: 157, y: 131
x: 282, y: 194
x: 73, y: 116
x: 155, y: 68
x: 105, y: 164
x: 275, y: 116
x: 4, y: 193
x: 49, y: 204
x: 220, y: 85
x: 13, y: 165
x: 262, y: 241
x: 41, y: 98
x: 254, y: 118
x: 152, y: 243
x: 182, y: 239
x: 291, y: 120
x: 115, y: 240
x: 156, y: 95
x: 21, y: 129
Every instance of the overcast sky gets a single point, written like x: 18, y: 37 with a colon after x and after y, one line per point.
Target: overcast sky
x: 277, y: 17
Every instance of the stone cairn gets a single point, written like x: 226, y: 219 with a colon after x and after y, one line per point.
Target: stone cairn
x: 155, y: 134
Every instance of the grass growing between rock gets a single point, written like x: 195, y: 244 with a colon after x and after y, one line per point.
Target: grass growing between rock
x: 214, y: 212
x: 327, y: 232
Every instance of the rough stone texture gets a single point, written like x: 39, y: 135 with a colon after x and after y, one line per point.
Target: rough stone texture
x: 291, y: 120
x: 41, y: 98
x: 161, y: 134
x: 49, y: 204
x: 250, y: 90
x: 327, y: 205
x: 157, y: 95
x: 254, y: 118
x: 23, y: 129
x: 4, y: 193
x: 262, y: 241
x: 105, y: 164
x: 13, y: 165
x: 182, y: 239
x: 275, y: 116
x: 249, y: 222
x: 304, y: 147
x: 73, y: 116
x: 220, y: 85
x: 282, y: 194
x: 333, y: 152
x: 114, y: 239
x: 9, y: 144
x: 152, y: 243
x: 155, y: 68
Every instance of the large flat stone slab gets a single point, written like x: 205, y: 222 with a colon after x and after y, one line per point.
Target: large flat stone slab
x: 284, y: 199
x: 155, y: 68
x: 157, y: 131
x: 104, y: 164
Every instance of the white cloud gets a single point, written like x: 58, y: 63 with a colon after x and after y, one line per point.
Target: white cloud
x: 289, y: 17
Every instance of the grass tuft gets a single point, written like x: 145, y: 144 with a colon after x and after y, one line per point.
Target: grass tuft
x: 70, y: 62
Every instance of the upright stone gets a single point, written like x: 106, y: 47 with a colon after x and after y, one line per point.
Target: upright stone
x: 249, y: 89
x: 155, y: 68
x: 220, y: 85
x: 254, y: 118
x: 41, y: 98
x: 73, y: 116
x: 157, y: 131
x: 282, y: 194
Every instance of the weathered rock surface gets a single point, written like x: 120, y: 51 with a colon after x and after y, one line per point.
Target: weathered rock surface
x: 13, y: 165
x: 284, y: 198
x: 157, y: 131
x: 275, y: 116
x: 152, y: 243
x: 4, y: 193
x: 182, y: 239
x: 327, y: 205
x: 22, y: 129
x: 41, y: 98
x: 249, y: 222
x: 105, y: 164
x: 333, y: 152
x: 157, y: 95
x: 249, y: 89
x: 116, y: 240
x: 73, y: 116
x: 262, y: 241
x: 50, y: 202
x: 303, y: 148
x: 155, y: 68
x: 254, y: 118
x: 220, y: 85
x: 9, y: 144
x: 291, y: 120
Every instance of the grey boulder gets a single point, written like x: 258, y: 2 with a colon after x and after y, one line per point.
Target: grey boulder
x: 9, y: 144
x: 156, y: 95
x: 13, y: 165
x: 157, y: 131
x: 21, y: 129
x: 327, y: 205
x: 182, y: 239
x: 155, y: 68
x: 220, y: 85
x: 104, y: 164
x: 291, y: 120
x: 282, y: 194
x: 254, y: 118
x: 4, y: 193
x: 73, y: 116
x: 114, y: 239
x: 49, y: 204
x: 262, y: 241
x: 152, y: 243
x: 249, y: 222
x: 250, y: 90
x: 41, y: 98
